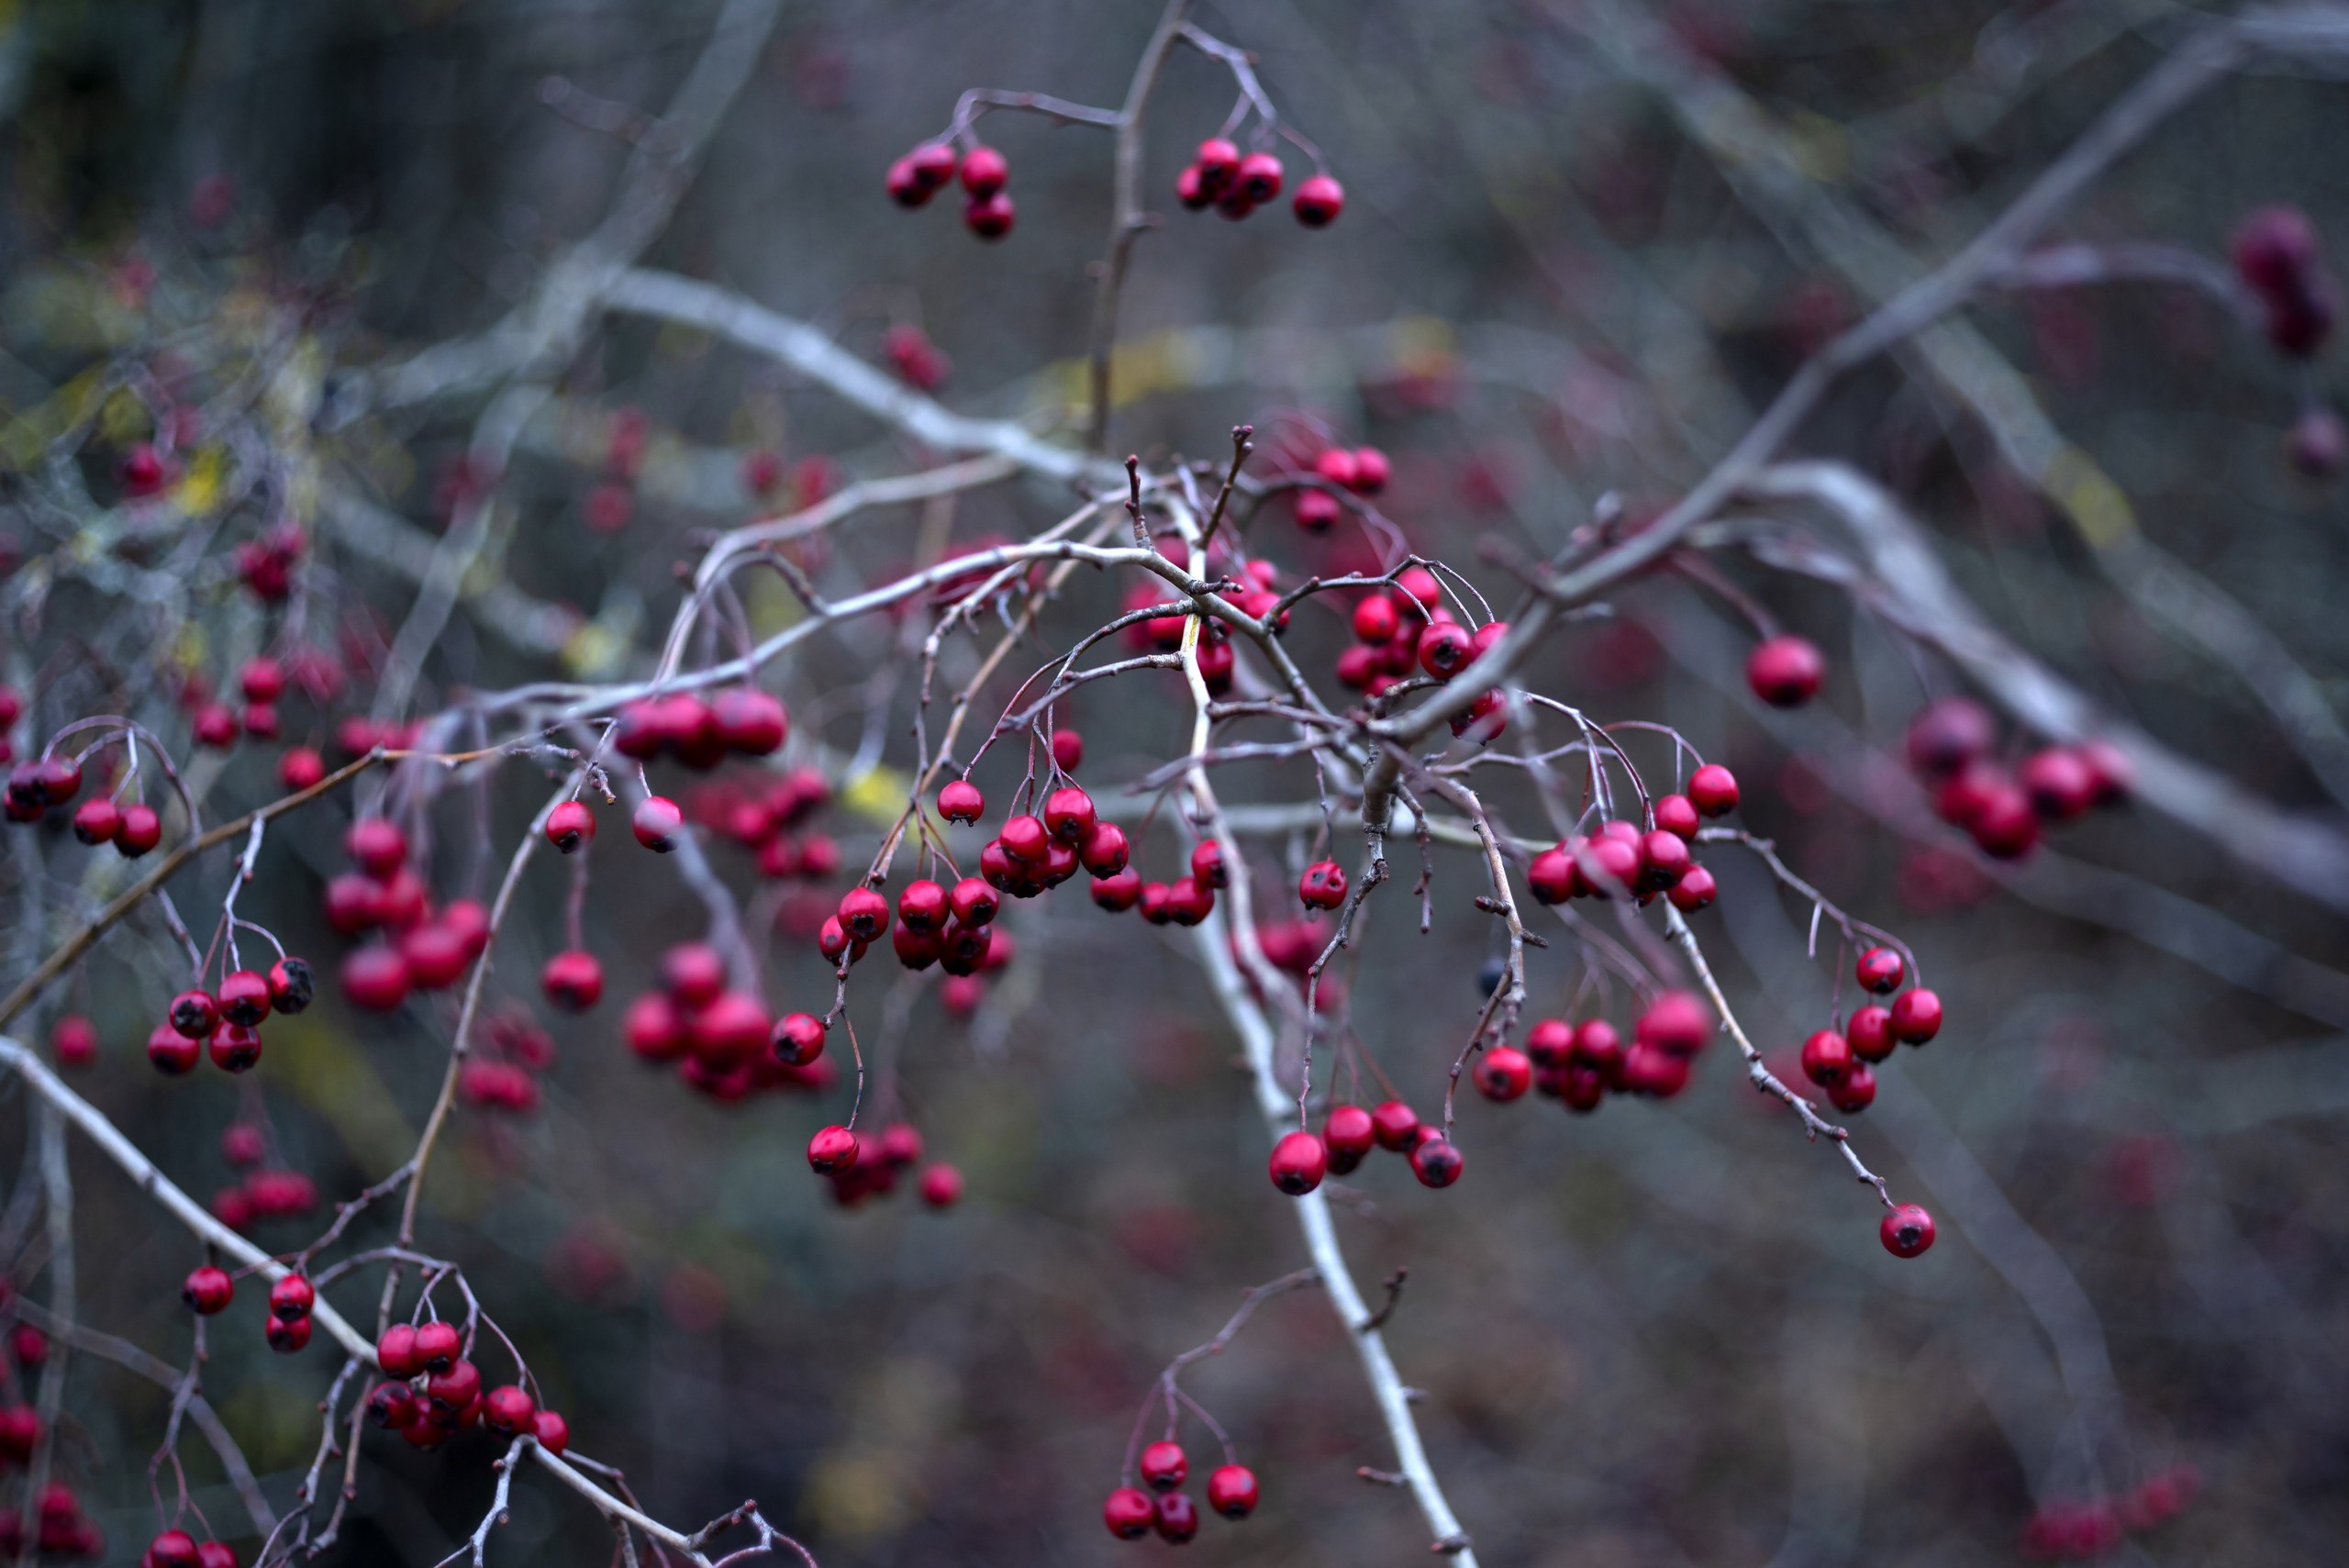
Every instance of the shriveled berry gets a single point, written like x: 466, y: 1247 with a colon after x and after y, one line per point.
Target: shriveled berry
x: 292, y: 985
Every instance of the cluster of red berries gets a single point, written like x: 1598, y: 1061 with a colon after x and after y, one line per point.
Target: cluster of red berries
x: 431, y: 1393
x: 177, y: 1549
x: 2277, y: 254
x: 505, y: 1077
x: 62, y: 1530
x: 1363, y: 470
x: 1843, y: 1062
x: 263, y: 1195
x: 37, y: 784
x: 2080, y: 1532
x: 1300, y: 1159
x: 764, y: 818
x: 1950, y: 744
x: 930, y: 168
x: 808, y: 480
x: 1618, y: 859
x: 837, y: 1154
x: 740, y: 720
x: 424, y: 950
x: 715, y: 1035
x: 1234, y: 185
x: 227, y: 1024
x: 209, y: 1288
x: 1411, y: 631
x: 267, y: 563
x: 1131, y: 1513
x: 1164, y: 634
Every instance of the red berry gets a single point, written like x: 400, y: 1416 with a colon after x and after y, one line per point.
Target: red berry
x: 292, y: 1297
x: 1323, y: 886
x: 654, y: 1027
x: 960, y: 801
x: 2004, y: 826
x: 1916, y: 1016
x: 864, y: 912
x: 300, y: 768
x: 1347, y: 1135
x: 1907, y: 1231
x: 1165, y: 1466
x: 1121, y: 893
x: 552, y: 1430
x: 1948, y: 734
x: 1300, y: 1161
x: 658, y: 823
x: 1785, y: 671
x: 1320, y: 201
x: 973, y: 903
x: 292, y: 986
x: 833, y: 1149
x: 455, y: 1387
x: 1696, y: 890
x: 234, y: 1048
x: 1316, y: 510
x: 2059, y: 783
x: 1826, y: 1058
x: 215, y: 725
x: 1068, y: 750
x: 1218, y: 162
x: 1504, y: 1073
x: 1105, y: 851
x: 1206, y: 864
x: 1258, y: 178
x: 990, y: 218
x: 172, y: 1548
x: 437, y: 1344
x: 1175, y: 1517
x: 1881, y: 970
x: 1445, y: 649
x: 97, y: 821
x: 1436, y: 1162
x: 1025, y: 838
x: 1375, y: 620
x: 1598, y: 1046
x: 1190, y: 188
x: 1371, y: 471
x: 509, y: 1410
x: 985, y: 172
x: 749, y: 721
x: 376, y: 847
x: 1870, y: 1032
x: 244, y: 997
x: 570, y: 826
x: 1856, y: 1092
x: 391, y: 1406
x: 1395, y: 1126
x: 140, y: 831
x: 1127, y: 1512
x: 1069, y: 815
x: 396, y: 1351
x: 941, y: 1186
x: 573, y: 980
x: 1189, y: 901
x: 170, y: 1051
x: 1231, y: 1491
x: 932, y: 163
x: 923, y: 905
x: 208, y: 1290
x: 1664, y: 859
x: 1676, y: 815
x: 1551, y: 877
x: 1677, y: 1024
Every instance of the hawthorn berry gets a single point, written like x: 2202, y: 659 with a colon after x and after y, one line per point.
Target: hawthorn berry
x: 1916, y: 1016
x: 288, y: 1334
x: 1165, y: 1466
x: 437, y: 1344
x: 1206, y: 864
x: 832, y: 1151
x: 140, y: 831
x: 923, y: 905
x: 1696, y: 890
x: 1176, y: 1517
x: 1676, y: 815
x: 1503, y: 1073
x: 989, y: 218
x: 1785, y: 671
x: 392, y: 1405
x: 1024, y: 837
x: 194, y: 1014
x: 509, y: 1410
x: 376, y: 978
x: 864, y: 913
x: 1068, y: 750
x: 973, y: 903
x: 1218, y: 162
x: 1347, y: 1136
x: 1856, y: 1092
x: 1322, y: 885
x: 1551, y: 877
x: 573, y: 980
x: 571, y: 826
x: 234, y: 1048
x: 1375, y: 620
x: 208, y: 1290
x: 1948, y: 734
x: 552, y: 1430
x: 376, y: 847
x: 170, y: 1051
x: 214, y: 1554
x: 960, y: 801
x: 292, y: 985
x: 2058, y: 782
x: 658, y: 823
x: 1677, y: 1024
x: 1259, y: 178
x: 1826, y: 1058
x: 244, y: 998
x: 1712, y: 789
x: 1597, y: 1046
x: 1870, y: 1031
x: 292, y: 1297
x: 1436, y: 1162
x: 1119, y: 893
x: 654, y: 1027
x: 1298, y: 1163
x: 1069, y: 816
x: 1881, y: 970
x: 1445, y: 649
x: 97, y: 821
x: 1907, y: 1231
x: 985, y: 172
x: 396, y: 1351
x: 693, y: 974
x: 749, y: 721
x: 1395, y: 1126
x: 1316, y: 510
x: 1105, y: 851
x: 941, y: 1186
x: 1664, y: 860
x: 1128, y: 1511
x: 2004, y: 826
x: 1318, y: 202
x: 455, y: 1387
x: 1231, y: 1491
x: 172, y: 1548
x: 1189, y: 901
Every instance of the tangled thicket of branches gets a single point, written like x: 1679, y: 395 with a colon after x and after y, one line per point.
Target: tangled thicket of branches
x: 321, y: 790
